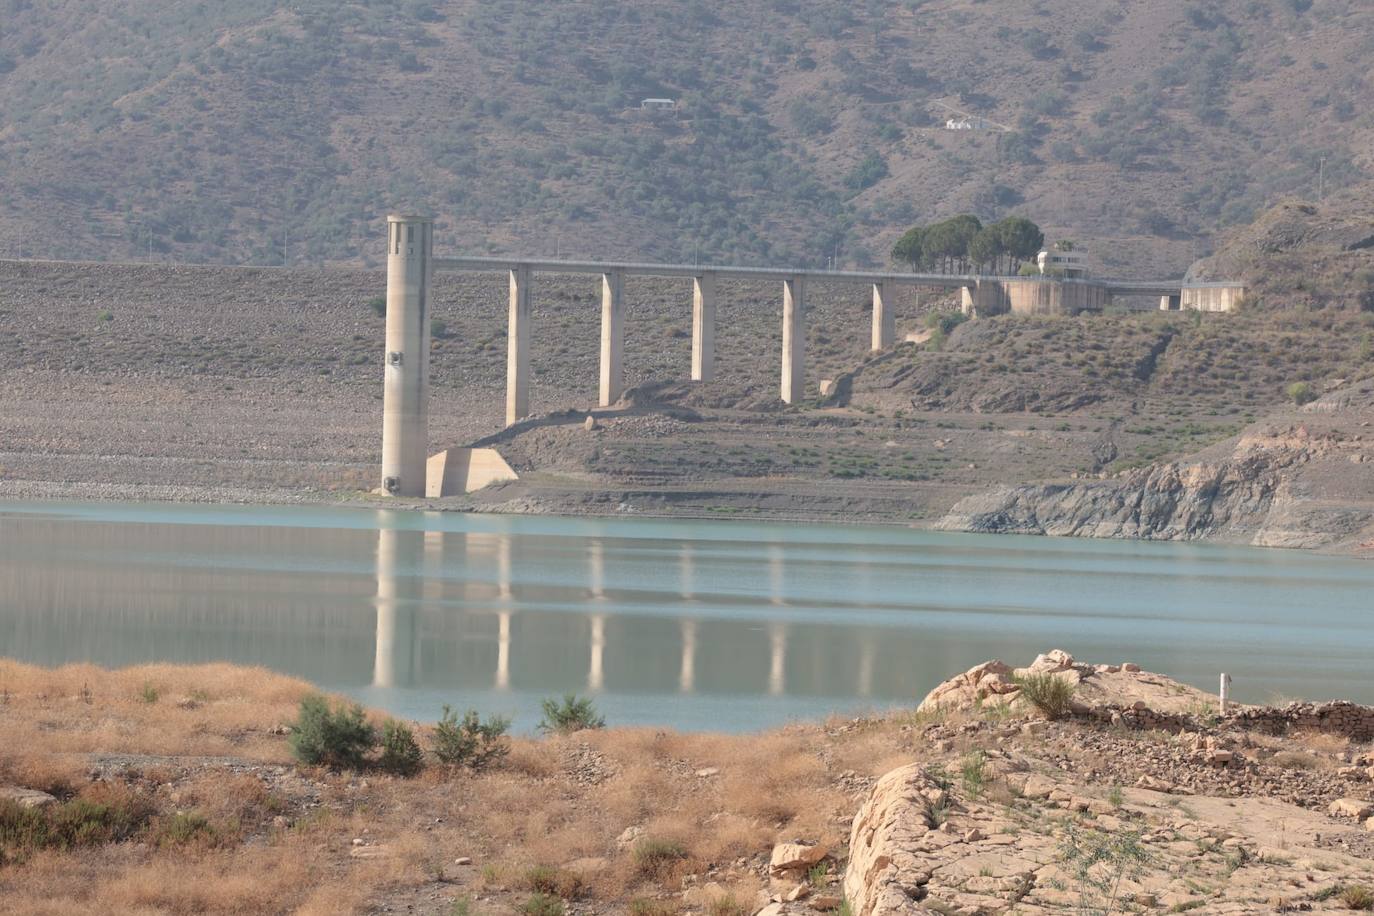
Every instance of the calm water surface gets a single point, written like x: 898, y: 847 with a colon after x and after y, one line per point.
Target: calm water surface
x: 694, y: 625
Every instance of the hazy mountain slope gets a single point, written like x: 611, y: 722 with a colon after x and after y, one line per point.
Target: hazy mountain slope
x: 218, y: 131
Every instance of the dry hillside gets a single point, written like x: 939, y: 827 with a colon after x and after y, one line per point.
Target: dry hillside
x: 253, y: 131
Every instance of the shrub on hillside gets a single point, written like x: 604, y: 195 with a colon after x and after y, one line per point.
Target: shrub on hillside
x: 469, y: 741
x: 101, y: 814
x: 1357, y: 897
x: 1048, y: 693
x: 401, y: 753
x: 1302, y: 393
x: 654, y: 858
x: 331, y: 737
x: 571, y: 714
x: 541, y: 904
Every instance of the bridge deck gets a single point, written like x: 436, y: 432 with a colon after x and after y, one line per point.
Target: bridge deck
x: 942, y: 281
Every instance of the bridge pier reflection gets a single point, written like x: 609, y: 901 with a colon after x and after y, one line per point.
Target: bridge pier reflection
x: 687, y: 670
x: 777, y: 659
x: 503, y: 651
x: 396, y: 660
x: 458, y: 588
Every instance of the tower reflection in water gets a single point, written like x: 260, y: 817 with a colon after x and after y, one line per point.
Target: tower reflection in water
x: 469, y: 611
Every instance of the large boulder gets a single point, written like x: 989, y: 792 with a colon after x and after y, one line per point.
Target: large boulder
x: 991, y: 678
x: 883, y: 876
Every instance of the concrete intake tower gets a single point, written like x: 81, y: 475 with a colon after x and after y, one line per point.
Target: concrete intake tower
x: 405, y: 403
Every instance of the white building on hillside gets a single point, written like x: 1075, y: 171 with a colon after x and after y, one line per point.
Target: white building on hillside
x: 1063, y: 263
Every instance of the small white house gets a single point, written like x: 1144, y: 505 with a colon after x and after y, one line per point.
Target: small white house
x: 1063, y: 263
x: 658, y: 105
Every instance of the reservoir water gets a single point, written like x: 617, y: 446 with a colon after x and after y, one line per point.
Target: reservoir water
x: 684, y: 624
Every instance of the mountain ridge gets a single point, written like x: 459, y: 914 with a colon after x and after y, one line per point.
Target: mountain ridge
x: 806, y: 130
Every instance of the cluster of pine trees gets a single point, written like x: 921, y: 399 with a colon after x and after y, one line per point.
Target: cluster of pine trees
x: 962, y: 244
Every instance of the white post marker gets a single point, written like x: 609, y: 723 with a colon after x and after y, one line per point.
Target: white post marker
x: 1225, y: 685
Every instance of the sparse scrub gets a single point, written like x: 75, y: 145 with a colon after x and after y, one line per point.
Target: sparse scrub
x: 1357, y: 897
x: 378, y: 305
x: 338, y: 738
x: 555, y: 882
x: 148, y: 694
x: 186, y: 828
x: 102, y: 814
x: 541, y: 904
x: 646, y: 906
x: 973, y: 770
x: 1295, y: 760
x: 655, y: 858
x: 1050, y: 695
x: 726, y: 906
x: 401, y: 753
x: 570, y: 714
x: 1100, y: 863
x: 936, y: 811
x: 469, y: 741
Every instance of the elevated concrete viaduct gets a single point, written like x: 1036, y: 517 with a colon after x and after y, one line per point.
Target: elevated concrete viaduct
x: 410, y: 263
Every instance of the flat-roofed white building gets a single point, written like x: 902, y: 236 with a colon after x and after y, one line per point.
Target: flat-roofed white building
x: 1062, y: 263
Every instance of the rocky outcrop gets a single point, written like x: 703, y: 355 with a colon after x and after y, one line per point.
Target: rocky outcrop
x: 1095, y: 687
x: 1252, y: 495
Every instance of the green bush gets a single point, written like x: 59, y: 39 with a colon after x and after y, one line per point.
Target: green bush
x: 438, y: 328
x: 469, y: 741
x: 331, y: 737
x: 401, y: 753
x: 1302, y: 393
x: 571, y: 714
x: 378, y: 305
x: 1048, y: 693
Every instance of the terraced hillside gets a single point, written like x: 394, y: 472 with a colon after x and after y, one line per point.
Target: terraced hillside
x: 262, y: 131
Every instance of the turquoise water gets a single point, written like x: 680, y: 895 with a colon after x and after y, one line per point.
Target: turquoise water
x: 686, y: 624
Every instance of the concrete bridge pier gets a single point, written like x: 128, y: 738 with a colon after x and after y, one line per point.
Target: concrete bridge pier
x: 612, y: 337
x: 518, y: 346
x: 704, y: 328
x: 405, y: 398
x: 793, y: 339
x: 884, y: 321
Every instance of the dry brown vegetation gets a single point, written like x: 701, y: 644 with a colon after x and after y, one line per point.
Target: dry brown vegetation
x: 229, y: 825
x: 176, y: 794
